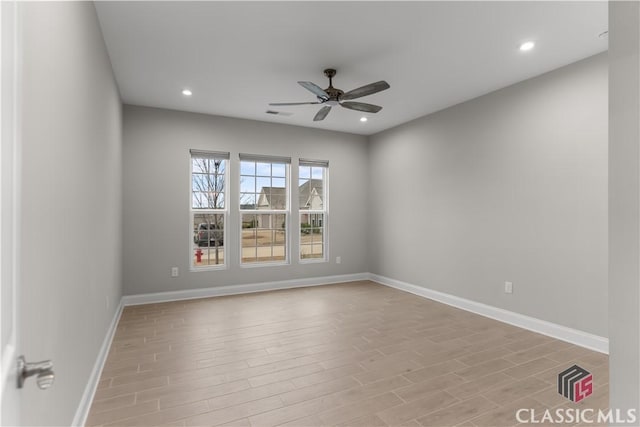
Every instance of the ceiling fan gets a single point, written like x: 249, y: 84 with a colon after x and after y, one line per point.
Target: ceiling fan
x: 331, y: 96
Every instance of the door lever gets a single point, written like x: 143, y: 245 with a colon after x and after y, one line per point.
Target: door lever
x: 43, y: 370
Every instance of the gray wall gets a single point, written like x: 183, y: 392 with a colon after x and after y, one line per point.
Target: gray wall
x: 511, y: 186
x: 624, y: 204
x: 156, y: 196
x: 71, y: 201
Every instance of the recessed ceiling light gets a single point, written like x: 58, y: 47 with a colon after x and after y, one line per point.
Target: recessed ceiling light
x: 187, y: 92
x: 527, y: 46
x: 363, y: 119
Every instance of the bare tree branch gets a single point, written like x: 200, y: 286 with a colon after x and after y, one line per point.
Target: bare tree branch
x: 208, y: 184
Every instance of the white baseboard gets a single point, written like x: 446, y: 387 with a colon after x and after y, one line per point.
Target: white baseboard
x: 573, y: 336
x: 240, y: 289
x: 80, y: 418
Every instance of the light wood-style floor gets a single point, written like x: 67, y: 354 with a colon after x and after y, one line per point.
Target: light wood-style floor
x: 357, y: 354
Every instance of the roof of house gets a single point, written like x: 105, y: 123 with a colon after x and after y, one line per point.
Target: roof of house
x: 276, y: 197
x: 304, y: 191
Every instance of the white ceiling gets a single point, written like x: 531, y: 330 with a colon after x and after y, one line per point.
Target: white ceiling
x: 237, y: 57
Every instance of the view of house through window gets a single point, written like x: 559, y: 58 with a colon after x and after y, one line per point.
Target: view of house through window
x: 313, y: 209
x: 208, y: 207
x: 264, y: 208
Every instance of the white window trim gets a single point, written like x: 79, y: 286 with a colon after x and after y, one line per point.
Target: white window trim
x: 286, y: 212
x: 325, y: 237
x: 324, y: 212
x: 287, y: 252
x: 224, y: 212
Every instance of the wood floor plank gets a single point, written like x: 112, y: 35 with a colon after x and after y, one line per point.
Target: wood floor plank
x: 236, y: 412
x: 355, y: 410
x: 458, y: 413
x: 359, y: 354
x: 164, y: 417
x: 400, y: 414
x: 253, y: 393
x: 422, y: 389
x: 117, y: 414
x: 317, y: 390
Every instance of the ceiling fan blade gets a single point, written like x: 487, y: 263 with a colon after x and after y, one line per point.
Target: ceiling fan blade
x: 322, y: 113
x: 361, y: 106
x: 292, y: 103
x: 315, y: 89
x: 369, y: 89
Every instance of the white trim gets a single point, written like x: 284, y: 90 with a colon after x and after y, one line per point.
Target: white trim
x: 259, y: 264
x: 304, y: 261
x: 82, y: 412
x: 8, y: 364
x: 286, y: 212
x: 573, y: 336
x: 10, y: 200
x: 240, y: 289
x: 198, y: 211
x: 324, y: 212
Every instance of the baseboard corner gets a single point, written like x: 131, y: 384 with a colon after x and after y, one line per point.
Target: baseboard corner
x: 564, y: 333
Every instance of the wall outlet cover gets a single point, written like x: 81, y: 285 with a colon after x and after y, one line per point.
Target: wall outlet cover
x: 508, y: 287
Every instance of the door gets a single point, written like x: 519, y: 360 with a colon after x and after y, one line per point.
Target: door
x: 9, y: 216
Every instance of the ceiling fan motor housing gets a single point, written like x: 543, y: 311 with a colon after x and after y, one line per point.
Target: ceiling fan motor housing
x: 334, y: 94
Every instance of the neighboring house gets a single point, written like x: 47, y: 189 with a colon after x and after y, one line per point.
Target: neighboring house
x: 270, y: 198
x: 310, y: 196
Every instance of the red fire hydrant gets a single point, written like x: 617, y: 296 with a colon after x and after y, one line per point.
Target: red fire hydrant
x: 199, y: 255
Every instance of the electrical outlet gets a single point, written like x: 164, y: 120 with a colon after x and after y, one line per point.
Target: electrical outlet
x: 106, y: 298
x: 174, y: 271
x: 338, y: 260
x: 508, y: 287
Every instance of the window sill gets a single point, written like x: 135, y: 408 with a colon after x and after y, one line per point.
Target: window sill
x: 265, y: 264
x: 208, y: 268
x: 313, y: 261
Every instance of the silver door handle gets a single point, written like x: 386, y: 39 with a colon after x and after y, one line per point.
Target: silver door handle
x: 43, y: 370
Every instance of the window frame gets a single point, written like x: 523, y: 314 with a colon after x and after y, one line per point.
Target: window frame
x: 324, y: 212
x: 286, y: 212
x: 195, y: 211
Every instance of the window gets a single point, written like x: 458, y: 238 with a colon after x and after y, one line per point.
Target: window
x: 208, y: 208
x: 312, y: 192
x: 264, y: 209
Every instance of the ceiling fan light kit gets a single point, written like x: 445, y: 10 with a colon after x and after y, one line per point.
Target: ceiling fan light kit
x: 331, y: 96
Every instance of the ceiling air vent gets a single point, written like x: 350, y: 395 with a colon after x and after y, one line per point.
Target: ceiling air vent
x: 279, y: 113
